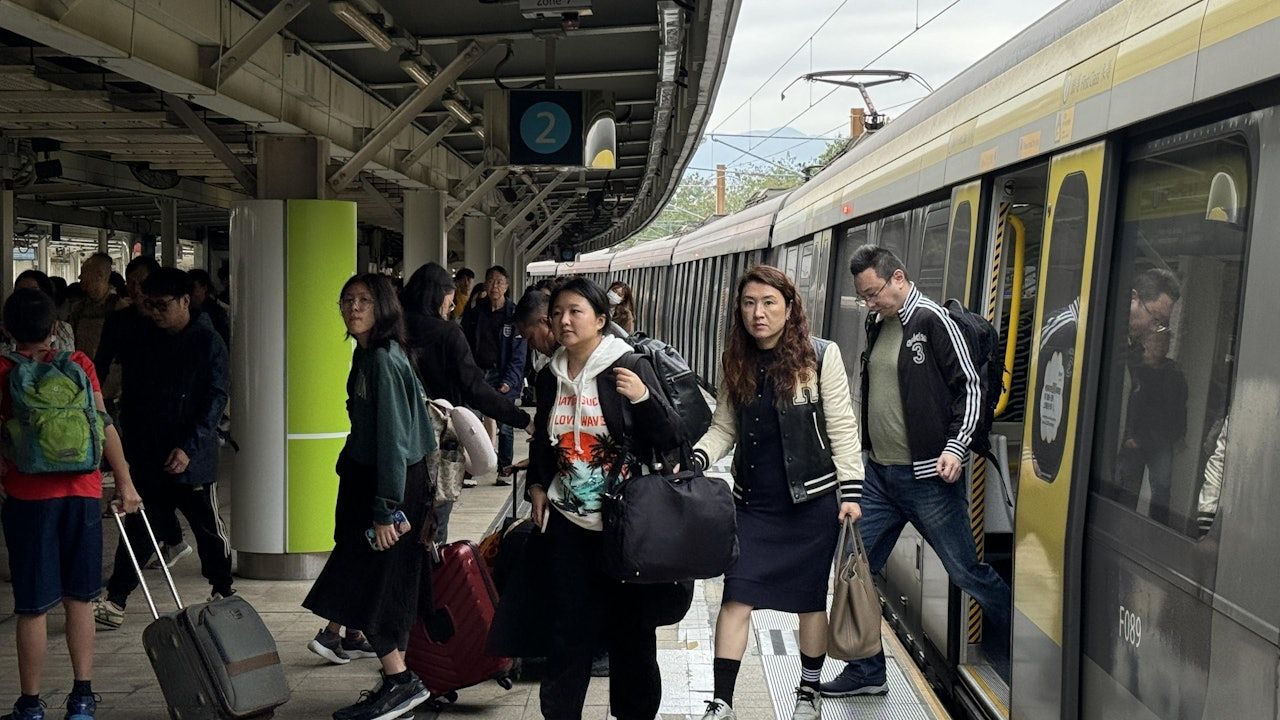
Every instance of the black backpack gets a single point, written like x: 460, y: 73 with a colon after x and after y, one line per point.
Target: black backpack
x: 983, y: 341
x: 678, y: 381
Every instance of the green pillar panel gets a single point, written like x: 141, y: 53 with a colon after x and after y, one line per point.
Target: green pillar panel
x: 320, y: 256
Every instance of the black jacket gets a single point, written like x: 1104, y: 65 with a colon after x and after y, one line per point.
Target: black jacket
x: 175, y: 389
x: 821, y: 450
x: 940, y: 387
x: 651, y: 427
x: 448, y: 370
x: 512, y: 349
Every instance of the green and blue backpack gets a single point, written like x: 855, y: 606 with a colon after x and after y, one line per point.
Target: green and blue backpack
x: 55, y: 425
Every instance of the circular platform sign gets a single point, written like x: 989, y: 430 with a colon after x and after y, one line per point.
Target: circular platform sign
x: 546, y: 128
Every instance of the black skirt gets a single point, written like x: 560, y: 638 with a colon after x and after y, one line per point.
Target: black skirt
x: 362, y: 588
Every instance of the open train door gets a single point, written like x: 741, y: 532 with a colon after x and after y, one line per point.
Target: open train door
x: 1046, y: 607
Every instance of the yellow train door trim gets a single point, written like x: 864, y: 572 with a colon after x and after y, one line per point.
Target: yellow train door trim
x: 1041, y: 524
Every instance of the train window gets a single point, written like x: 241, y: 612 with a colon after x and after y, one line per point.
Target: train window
x: 847, y: 317
x: 893, y: 235
x: 1052, y: 406
x: 958, y: 253
x: 933, y: 255
x: 1171, y: 330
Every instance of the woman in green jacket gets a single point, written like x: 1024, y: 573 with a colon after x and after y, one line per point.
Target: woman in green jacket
x: 371, y: 582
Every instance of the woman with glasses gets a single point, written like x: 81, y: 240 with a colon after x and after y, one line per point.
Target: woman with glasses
x: 372, y: 576
x: 444, y: 361
x: 784, y: 404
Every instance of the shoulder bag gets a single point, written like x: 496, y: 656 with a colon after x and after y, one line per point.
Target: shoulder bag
x: 854, y: 627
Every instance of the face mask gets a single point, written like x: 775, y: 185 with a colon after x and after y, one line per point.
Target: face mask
x: 614, y: 298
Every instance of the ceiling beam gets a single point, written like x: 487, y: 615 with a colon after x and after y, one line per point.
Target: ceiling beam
x: 118, y: 177
x: 495, y: 37
x: 560, y: 77
x: 481, y: 190
x: 382, y: 202
x: 63, y: 215
x: 429, y: 142
x: 404, y: 115
x: 520, y: 212
x: 51, y: 132
x: 244, y: 175
x: 28, y: 95
x: 263, y: 30
x: 76, y: 117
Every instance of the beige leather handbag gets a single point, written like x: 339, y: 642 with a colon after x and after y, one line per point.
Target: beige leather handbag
x: 854, y: 627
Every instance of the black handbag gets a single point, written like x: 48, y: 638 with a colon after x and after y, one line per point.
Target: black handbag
x: 665, y: 527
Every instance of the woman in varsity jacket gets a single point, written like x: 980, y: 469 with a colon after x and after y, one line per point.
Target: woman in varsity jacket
x: 784, y: 404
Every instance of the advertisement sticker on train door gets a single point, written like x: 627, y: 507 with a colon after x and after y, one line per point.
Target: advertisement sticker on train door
x: 1051, y: 397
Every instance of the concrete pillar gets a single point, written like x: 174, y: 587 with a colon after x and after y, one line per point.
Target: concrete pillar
x: 7, y: 218
x: 424, y: 236
x: 477, y: 233
x: 168, y: 232
x: 104, y: 241
x: 42, y: 254
x: 292, y: 167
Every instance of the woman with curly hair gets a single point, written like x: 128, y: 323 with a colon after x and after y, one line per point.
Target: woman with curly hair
x: 784, y: 403
x: 623, y: 305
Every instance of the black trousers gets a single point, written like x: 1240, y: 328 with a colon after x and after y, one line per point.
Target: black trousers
x: 162, y: 497
x: 592, y: 611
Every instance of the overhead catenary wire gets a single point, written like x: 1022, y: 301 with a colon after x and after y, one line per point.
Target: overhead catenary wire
x: 877, y: 58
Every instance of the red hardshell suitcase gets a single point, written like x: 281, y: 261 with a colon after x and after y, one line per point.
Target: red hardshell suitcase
x: 464, y: 594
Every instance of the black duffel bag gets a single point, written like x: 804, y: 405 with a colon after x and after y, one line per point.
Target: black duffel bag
x: 667, y: 527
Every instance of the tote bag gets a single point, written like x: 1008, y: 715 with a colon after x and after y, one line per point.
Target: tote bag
x: 854, y: 627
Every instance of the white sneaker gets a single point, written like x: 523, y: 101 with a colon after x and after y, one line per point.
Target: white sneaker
x: 107, y: 614
x: 718, y: 709
x: 172, y: 554
x: 469, y: 482
x: 808, y: 705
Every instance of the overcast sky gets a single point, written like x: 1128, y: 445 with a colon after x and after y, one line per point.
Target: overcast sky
x: 769, y: 31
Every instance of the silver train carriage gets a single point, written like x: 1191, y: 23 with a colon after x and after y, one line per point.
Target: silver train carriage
x: 1111, y: 140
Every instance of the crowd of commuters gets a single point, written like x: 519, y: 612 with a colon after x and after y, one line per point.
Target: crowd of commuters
x: 804, y: 460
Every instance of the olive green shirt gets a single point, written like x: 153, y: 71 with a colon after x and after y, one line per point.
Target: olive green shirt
x: 390, y: 426
x: 886, y: 421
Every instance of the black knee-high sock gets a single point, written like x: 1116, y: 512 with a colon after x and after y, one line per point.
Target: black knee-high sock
x: 725, y: 672
x: 811, y: 670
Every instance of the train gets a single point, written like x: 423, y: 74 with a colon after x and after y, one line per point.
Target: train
x: 1110, y: 145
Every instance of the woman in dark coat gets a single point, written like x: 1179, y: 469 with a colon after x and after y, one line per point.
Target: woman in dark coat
x: 595, y: 396
x: 443, y: 358
x: 372, y: 583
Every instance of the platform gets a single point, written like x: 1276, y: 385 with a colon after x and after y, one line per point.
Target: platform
x: 124, y: 679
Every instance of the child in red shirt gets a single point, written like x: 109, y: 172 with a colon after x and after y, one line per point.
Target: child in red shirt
x: 53, y: 527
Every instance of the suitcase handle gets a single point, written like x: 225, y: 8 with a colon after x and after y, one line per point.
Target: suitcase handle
x: 137, y: 567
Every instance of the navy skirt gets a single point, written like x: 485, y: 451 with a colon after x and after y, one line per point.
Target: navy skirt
x: 785, y: 550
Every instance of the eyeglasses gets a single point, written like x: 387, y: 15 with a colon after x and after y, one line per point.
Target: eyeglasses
x: 157, y: 305
x: 1158, y: 324
x: 357, y: 303
x: 863, y: 300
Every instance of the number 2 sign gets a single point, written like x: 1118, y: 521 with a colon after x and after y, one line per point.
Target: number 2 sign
x: 547, y: 128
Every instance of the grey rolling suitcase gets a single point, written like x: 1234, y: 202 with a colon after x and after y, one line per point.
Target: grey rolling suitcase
x: 214, y: 660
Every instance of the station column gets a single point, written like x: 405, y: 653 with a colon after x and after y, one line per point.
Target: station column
x: 477, y: 233
x: 290, y: 255
x: 424, y: 236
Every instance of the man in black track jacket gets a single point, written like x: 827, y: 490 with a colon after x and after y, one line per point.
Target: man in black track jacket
x: 921, y: 405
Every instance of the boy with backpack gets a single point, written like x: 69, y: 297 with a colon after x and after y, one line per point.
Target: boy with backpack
x: 55, y: 432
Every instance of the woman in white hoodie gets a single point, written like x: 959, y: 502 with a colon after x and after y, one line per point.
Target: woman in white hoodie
x: 597, y: 398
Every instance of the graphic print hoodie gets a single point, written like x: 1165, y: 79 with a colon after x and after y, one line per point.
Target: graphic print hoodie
x: 585, y: 451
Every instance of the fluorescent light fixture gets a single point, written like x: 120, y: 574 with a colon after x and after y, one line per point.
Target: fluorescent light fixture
x: 478, y: 130
x: 355, y: 18
x: 459, y: 111
x: 420, y: 74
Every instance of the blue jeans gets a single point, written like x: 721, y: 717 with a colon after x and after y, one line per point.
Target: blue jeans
x: 506, y: 433
x: 893, y: 497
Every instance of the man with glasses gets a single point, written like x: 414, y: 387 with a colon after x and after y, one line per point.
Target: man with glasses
x: 921, y: 406
x: 175, y: 389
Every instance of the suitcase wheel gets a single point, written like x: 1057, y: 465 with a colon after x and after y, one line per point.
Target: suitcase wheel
x: 505, y: 682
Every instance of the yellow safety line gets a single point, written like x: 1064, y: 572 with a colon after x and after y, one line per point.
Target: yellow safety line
x: 986, y: 690
x: 912, y: 673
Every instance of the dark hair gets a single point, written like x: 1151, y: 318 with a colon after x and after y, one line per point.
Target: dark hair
x: 167, y: 282
x: 142, y: 261
x: 880, y: 258
x: 794, y: 358
x: 100, y: 257
x: 500, y: 270
x: 117, y: 283
x: 388, y: 316
x: 465, y: 272
x: 425, y: 291
x: 201, y: 277
x: 29, y: 315
x: 1151, y: 284
x: 533, y: 305
x: 59, y: 289
x: 546, y: 285
x: 625, y: 312
x: 595, y: 295
x: 42, y: 281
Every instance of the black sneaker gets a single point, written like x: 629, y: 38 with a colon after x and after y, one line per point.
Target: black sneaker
x: 367, y: 698
x: 391, y: 701
x: 329, y: 646
x: 357, y: 646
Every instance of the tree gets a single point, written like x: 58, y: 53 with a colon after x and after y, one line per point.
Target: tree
x: 694, y: 200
